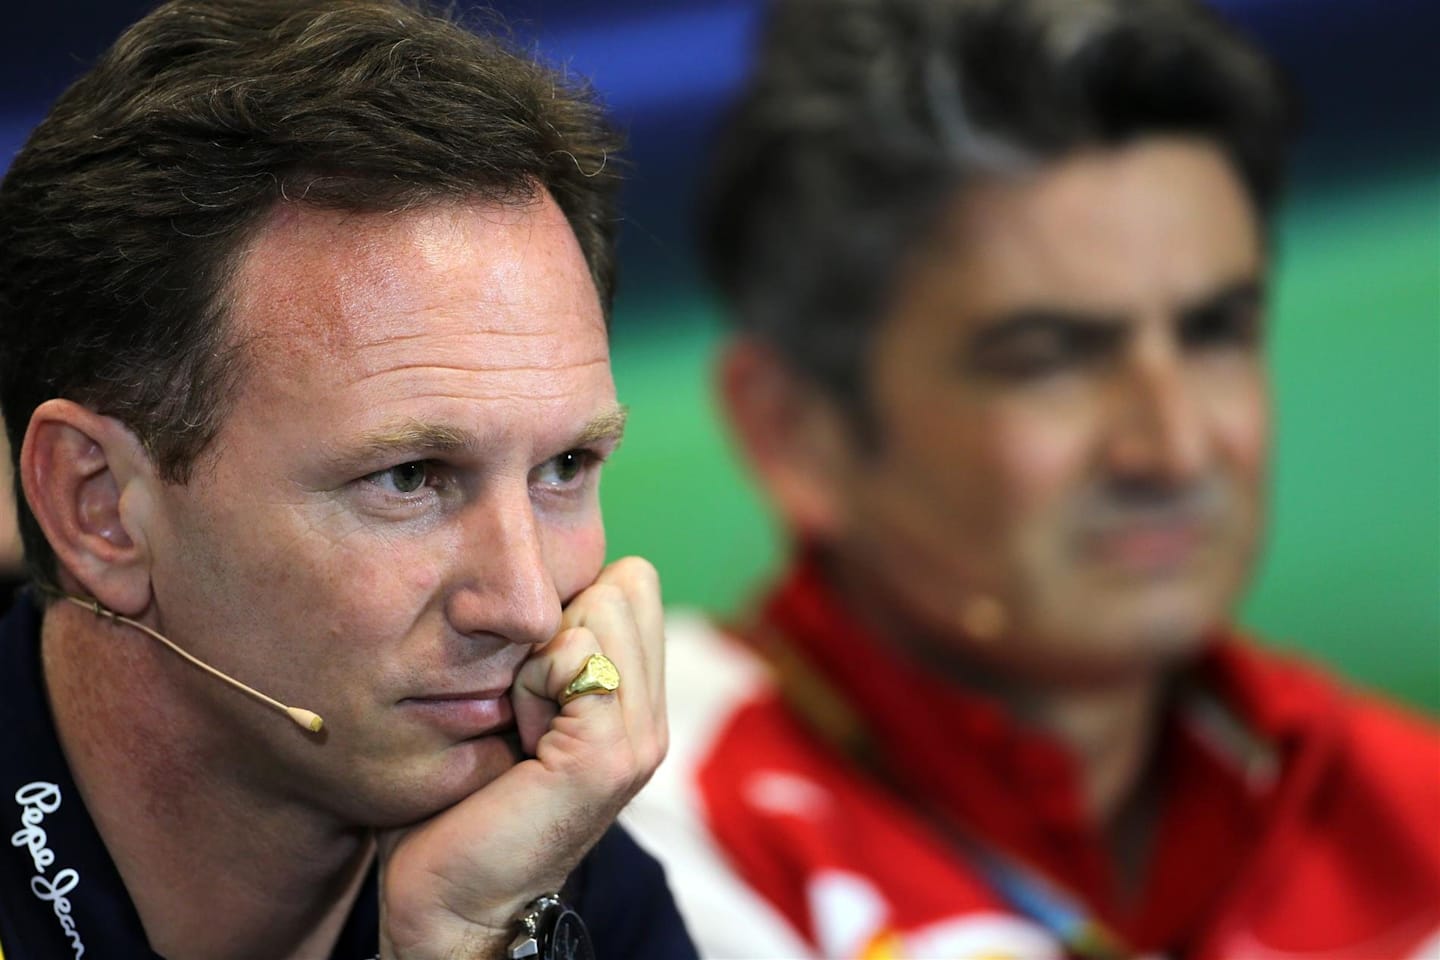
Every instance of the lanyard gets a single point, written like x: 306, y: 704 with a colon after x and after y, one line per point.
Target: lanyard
x: 1021, y: 886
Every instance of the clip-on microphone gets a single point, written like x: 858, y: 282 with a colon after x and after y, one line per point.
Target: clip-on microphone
x: 307, y: 719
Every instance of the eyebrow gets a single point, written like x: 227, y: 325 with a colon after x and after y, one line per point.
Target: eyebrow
x: 420, y: 437
x: 410, y: 435
x: 1094, y: 329
x: 997, y: 329
x: 1012, y: 323
x: 607, y: 426
x: 1242, y: 293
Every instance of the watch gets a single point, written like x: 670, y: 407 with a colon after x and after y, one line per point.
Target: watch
x: 549, y: 930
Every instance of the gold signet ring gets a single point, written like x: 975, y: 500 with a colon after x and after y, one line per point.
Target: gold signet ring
x: 597, y: 676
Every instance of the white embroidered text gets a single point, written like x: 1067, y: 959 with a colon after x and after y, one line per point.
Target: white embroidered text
x: 37, y: 801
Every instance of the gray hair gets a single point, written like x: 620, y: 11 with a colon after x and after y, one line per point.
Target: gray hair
x: 864, y: 117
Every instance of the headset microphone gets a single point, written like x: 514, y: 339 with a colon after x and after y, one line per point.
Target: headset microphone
x: 299, y: 715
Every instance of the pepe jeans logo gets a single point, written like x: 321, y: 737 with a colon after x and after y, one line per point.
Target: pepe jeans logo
x: 37, y: 801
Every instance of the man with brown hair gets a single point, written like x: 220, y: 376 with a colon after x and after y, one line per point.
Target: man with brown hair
x: 306, y: 376
x: 997, y: 271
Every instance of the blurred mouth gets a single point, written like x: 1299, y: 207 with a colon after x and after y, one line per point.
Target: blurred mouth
x: 1148, y: 549
x: 464, y: 715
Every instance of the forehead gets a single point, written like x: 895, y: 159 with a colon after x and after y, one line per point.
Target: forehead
x: 338, y: 284
x: 1151, y: 224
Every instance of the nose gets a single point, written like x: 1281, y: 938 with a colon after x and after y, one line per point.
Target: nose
x: 1158, y: 429
x: 507, y: 589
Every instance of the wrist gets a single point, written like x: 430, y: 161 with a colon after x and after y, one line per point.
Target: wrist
x: 544, y: 929
x: 458, y: 941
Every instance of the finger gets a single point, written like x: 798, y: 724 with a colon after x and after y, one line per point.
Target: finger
x: 605, y: 610
x: 542, y: 681
x: 640, y: 582
x: 633, y: 584
x: 532, y: 695
x: 595, y: 740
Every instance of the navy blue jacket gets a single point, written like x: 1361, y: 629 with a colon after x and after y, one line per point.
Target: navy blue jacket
x: 61, y: 896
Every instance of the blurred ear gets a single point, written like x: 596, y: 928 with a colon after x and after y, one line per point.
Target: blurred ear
x: 792, y: 433
x: 88, y: 479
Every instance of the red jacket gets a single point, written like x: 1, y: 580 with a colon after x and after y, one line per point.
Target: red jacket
x: 1298, y: 819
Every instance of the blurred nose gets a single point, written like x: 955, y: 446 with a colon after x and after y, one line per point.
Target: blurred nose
x: 508, y: 590
x: 1158, y: 431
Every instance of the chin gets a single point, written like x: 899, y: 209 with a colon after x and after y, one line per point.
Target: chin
x: 1170, y: 641
x: 473, y: 764
x: 1115, y: 645
x: 1157, y: 618
x: 424, y: 789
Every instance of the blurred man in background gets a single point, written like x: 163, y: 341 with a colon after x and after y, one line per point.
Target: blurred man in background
x: 998, y: 274
x: 306, y: 377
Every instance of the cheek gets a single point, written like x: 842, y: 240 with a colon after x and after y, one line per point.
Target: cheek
x: 1035, y: 455
x: 385, y: 582
x: 231, y: 554
x: 1233, y: 393
x: 575, y: 553
x: 317, y: 570
x: 1245, y: 432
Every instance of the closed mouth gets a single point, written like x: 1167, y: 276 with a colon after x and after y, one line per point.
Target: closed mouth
x: 464, y: 714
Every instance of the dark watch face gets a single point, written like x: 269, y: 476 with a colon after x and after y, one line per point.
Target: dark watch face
x: 569, y: 939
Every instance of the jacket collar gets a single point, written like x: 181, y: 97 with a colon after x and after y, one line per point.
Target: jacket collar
x: 1237, y: 723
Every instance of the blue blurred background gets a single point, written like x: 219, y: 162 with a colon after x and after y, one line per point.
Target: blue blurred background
x: 1352, y: 573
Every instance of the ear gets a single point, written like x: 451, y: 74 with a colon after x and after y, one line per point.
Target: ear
x: 88, y: 479
x: 792, y: 433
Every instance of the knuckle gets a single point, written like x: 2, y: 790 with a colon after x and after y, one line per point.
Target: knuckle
x: 603, y: 593
x: 648, y: 749
x: 609, y: 772
x: 579, y: 638
x: 619, y: 775
x: 648, y: 761
x: 638, y: 572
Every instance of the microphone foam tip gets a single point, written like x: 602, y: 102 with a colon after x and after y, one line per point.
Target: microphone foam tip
x: 306, y: 718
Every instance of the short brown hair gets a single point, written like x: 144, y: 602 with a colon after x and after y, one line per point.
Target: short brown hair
x: 122, y: 216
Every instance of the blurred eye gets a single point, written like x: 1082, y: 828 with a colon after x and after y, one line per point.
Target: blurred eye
x: 402, y: 478
x: 1222, y: 325
x: 1039, y: 347
x: 1031, y: 354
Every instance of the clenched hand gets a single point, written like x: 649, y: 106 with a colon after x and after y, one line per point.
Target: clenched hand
x: 453, y: 886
